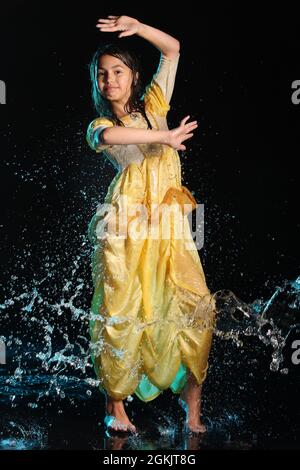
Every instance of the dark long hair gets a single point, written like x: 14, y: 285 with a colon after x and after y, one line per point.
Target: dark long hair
x: 135, y: 103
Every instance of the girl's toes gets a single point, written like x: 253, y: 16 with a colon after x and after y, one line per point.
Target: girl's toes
x: 201, y: 428
x: 132, y: 428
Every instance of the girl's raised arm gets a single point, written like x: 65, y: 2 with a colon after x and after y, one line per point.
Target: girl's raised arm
x: 167, y: 44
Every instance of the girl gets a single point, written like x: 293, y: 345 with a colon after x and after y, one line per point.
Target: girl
x: 152, y: 312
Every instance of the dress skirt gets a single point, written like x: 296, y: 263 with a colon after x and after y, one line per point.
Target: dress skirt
x: 152, y: 314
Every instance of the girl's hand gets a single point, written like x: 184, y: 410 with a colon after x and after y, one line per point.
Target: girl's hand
x: 128, y: 25
x: 181, y: 133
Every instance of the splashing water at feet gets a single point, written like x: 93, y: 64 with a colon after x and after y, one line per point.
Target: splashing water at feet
x: 42, y: 343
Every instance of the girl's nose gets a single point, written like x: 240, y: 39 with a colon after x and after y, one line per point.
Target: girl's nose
x: 109, y: 81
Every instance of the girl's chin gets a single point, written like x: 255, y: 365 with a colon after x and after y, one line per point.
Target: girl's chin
x: 110, y: 96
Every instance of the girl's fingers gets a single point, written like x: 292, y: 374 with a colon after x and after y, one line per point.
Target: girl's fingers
x: 109, y: 28
x: 189, y: 129
x: 184, y: 119
x: 104, y: 27
x: 102, y: 20
x: 188, y: 136
x: 191, y: 126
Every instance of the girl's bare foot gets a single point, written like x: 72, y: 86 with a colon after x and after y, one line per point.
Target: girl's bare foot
x: 190, y: 400
x: 116, y: 409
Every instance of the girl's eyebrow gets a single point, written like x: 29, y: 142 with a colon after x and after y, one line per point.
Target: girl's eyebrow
x: 113, y: 67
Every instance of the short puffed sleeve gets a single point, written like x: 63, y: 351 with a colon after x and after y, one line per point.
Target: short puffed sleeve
x: 94, y: 133
x: 158, y: 93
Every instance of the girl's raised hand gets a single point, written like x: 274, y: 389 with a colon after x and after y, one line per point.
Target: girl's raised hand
x: 181, y: 133
x: 126, y: 24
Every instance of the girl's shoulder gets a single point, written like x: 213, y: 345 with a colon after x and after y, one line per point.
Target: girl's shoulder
x: 159, y: 92
x: 96, y: 126
x: 100, y: 121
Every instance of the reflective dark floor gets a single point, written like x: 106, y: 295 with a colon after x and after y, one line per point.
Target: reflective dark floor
x: 58, y: 425
x: 245, y: 405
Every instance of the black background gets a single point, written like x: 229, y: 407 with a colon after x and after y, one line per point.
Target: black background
x: 235, y: 75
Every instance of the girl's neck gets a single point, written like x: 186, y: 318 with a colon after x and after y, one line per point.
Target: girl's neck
x: 118, y: 110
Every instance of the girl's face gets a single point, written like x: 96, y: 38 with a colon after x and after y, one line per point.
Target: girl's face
x: 114, y: 79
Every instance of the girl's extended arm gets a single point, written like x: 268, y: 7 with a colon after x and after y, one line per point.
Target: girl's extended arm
x: 168, y: 45
x: 128, y: 135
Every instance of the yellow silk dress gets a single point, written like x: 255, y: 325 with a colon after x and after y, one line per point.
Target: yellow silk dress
x: 152, y: 314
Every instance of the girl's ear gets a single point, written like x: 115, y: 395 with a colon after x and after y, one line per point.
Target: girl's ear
x: 136, y: 78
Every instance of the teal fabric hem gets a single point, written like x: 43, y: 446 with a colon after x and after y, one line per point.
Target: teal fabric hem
x: 146, y: 391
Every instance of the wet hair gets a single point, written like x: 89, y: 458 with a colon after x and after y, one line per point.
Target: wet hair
x: 135, y: 103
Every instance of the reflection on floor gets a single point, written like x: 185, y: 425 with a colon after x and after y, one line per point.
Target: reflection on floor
x: 55, y: 425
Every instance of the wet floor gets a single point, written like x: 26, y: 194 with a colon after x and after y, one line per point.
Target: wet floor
x: 77, y: 423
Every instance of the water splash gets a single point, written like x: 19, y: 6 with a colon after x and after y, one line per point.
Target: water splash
x: 23, y: 437
x: 272, y: 320
x: 62, y: 350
